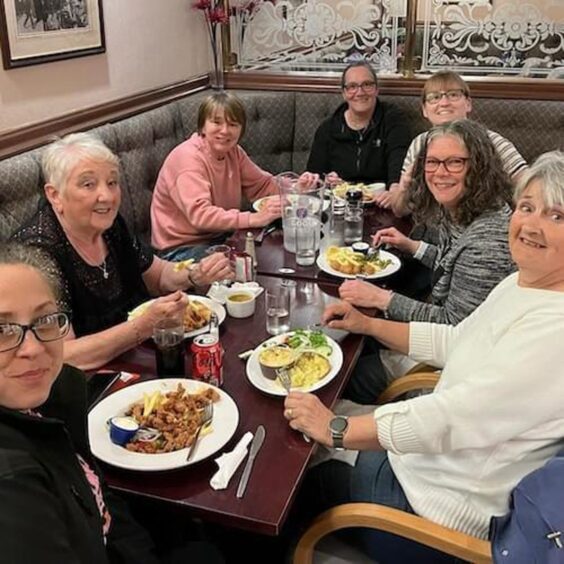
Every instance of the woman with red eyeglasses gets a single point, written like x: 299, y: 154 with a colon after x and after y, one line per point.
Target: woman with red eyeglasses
x: 365, y: 140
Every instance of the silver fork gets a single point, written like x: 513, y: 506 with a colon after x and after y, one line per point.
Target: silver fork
x: 205, y: 420
x: 286, y: 381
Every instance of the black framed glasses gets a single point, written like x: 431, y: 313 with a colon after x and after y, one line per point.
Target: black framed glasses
x: 46, y: 328
x: 366, y: 86
x: 452, y: 95
x: 452, y: 164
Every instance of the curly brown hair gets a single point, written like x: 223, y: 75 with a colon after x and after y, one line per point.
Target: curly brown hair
x: 486, y: 184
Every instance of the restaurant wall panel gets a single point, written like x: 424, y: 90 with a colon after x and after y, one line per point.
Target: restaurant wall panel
x: 148, y: 45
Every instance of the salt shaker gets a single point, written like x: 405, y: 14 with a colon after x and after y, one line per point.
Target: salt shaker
x: 250, y: 250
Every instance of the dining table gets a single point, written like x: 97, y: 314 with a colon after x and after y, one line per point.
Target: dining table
x: 283, y: 460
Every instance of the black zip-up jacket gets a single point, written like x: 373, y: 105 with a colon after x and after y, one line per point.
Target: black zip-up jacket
x: 48, y: 512
x: 373, y: 155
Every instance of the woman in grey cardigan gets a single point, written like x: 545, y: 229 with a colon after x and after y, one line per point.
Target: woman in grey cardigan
x: 461, y: 189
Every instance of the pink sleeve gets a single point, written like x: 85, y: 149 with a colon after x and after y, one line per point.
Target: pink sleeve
x: 192, y: 194
x: 256, y: 183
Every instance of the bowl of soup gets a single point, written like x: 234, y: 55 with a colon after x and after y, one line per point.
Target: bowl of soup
x: 240, y: 303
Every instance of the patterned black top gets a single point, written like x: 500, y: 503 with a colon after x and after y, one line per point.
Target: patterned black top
x: 95, y: 303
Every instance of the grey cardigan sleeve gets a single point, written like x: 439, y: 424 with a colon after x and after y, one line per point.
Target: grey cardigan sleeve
x: 479, y: 262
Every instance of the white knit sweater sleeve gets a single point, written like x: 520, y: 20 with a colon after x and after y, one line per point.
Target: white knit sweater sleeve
x: 517, y: 387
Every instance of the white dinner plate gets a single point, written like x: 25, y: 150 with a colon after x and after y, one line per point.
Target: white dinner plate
x: 218, y: 309
x: 258, y: 203
x: 224, y: 425
x: 372, y: 189
x: 273, y: 387
x: 394, y: 266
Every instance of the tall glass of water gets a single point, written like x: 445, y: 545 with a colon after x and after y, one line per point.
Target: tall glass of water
x: 277, y: 310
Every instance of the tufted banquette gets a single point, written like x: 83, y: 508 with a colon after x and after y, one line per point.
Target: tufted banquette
x: 279, y: 136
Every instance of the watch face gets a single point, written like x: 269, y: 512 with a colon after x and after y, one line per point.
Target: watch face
x: 338, y: 425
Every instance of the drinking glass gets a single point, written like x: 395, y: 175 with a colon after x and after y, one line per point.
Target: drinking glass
x: 168, y: 336
x: 224, y: 250
x: 307, y: 243
x: 277, y: 311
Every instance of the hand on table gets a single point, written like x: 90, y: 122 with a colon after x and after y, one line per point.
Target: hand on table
x: 391, y: 236
x: 343, y: 315
x: 364, y: 294
x: 212, y: 268
x: 308, y: 180
x: 307, y: 414
x: 270, y: 211
x: 332, y: 178
x: 383, y: 199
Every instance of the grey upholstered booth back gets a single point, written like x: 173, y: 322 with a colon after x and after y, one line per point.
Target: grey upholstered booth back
x: 279, y: 135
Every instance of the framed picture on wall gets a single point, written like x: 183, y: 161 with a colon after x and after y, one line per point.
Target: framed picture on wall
x: 40, y: 31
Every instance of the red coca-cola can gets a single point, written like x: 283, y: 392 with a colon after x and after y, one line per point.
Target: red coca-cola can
x: 207, y: 359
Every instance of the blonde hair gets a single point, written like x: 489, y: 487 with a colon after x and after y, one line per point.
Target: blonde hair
x: 443, y: 80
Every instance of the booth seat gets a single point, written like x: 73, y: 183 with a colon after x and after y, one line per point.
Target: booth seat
x: 279, y: 135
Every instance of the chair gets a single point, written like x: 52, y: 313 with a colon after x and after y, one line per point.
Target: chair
x: 392, y: 520
x: 408, y: 383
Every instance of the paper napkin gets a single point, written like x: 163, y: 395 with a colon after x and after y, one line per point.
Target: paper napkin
x: 229, y: 462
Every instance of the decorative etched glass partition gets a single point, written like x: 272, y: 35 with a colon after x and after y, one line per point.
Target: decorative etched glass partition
x: 484, y: 37
x: 503, y: 37
x: 315, y: 35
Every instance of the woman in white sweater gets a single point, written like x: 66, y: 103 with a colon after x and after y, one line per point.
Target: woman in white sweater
x: 497, y: 413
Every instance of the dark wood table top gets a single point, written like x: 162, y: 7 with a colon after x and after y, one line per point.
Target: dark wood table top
x: 282, y: 461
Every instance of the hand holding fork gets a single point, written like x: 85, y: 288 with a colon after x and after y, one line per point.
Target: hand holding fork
x: 286, y: 381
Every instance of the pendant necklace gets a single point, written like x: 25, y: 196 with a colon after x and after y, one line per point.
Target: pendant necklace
x: 103, y: 267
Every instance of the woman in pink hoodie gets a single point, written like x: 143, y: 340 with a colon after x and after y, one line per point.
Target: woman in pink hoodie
x: 197, y: 198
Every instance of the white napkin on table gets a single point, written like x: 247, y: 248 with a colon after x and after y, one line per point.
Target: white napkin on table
x: 218, y: 292
x: 229, y: 462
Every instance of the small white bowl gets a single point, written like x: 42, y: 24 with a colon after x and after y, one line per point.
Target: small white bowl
x: 240, y: 303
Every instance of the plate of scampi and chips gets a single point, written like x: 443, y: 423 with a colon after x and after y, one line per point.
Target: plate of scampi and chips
x: 168, y: 413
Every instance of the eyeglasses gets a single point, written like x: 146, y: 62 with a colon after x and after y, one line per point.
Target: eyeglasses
x: 452, y: 164
x: 46, y: 328
x: 367, y: 86
x: 451, y: 95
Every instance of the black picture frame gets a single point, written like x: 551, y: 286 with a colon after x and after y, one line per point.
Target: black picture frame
x: 34, y: 32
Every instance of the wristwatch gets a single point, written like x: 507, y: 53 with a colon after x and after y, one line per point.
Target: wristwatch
x: 338, y: 427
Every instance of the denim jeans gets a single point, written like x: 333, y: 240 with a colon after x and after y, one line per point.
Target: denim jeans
x: 195, y: 252
x: 372, y: 480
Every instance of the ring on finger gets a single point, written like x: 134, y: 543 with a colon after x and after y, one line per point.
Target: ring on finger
x: 289, y: 413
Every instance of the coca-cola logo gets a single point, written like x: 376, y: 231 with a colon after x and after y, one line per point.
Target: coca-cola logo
x: 301, y: 213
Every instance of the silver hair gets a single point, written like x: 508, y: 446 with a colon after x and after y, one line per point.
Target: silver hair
x: 36, y: 258
x: 548, y: 170
x: 61, y: 156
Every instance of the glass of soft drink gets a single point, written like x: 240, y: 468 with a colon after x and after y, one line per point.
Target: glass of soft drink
x: 277, y: 310
x: 168, y: 336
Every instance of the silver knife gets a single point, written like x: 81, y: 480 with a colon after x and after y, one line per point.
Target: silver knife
x: 255, y: 447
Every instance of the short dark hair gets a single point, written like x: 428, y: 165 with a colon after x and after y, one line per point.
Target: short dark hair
x: 229, y: 103
x: 356, y: 64
x: 487, y: 185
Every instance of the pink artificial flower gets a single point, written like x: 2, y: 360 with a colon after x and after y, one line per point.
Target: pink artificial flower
x: 202, y: 5
x: 218, y: 16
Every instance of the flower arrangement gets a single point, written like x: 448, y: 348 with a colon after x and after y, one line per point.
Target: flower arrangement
x: 215, y: 16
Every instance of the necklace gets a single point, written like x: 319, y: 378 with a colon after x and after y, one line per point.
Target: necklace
x: 79, y: 247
